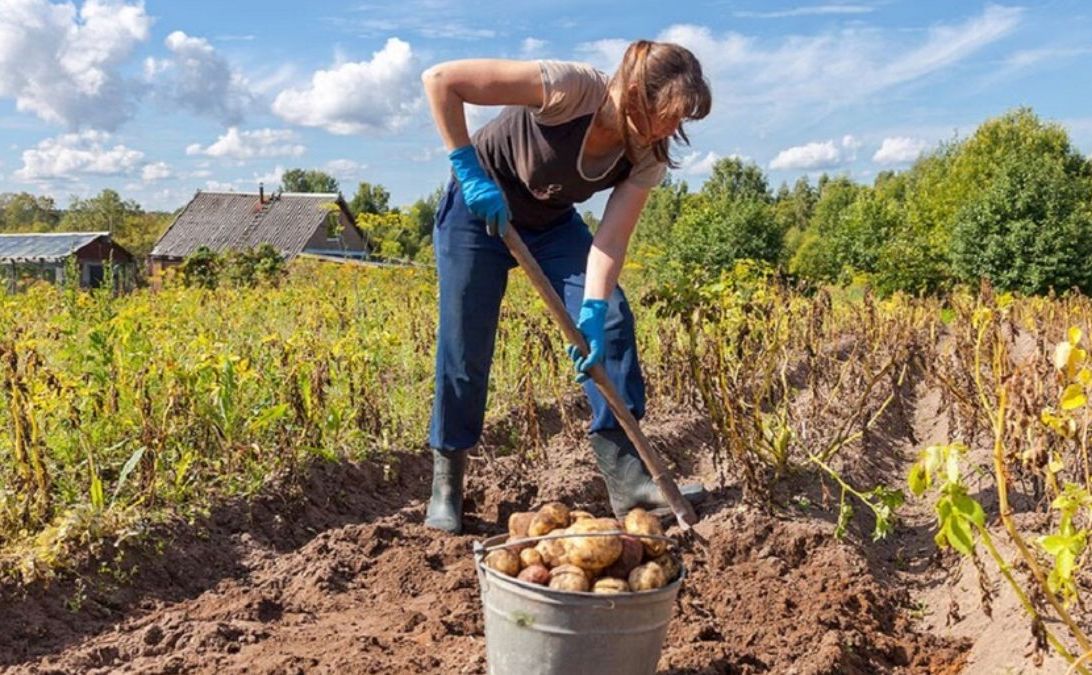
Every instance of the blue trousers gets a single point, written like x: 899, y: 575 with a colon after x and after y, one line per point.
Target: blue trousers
x: 473, y: 272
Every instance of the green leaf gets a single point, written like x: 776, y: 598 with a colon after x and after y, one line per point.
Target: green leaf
x: 969, y: 509
x: 887, y: 497
x: 884, y: 526
x: 959, y: 535
x: 944, y: 509
x: 1053, y: 543
x: 267, y: 418
x: 130, y: 464
x: 1065, y: 564
x: 918, y: 479
x: 98, y: 498
x: 182, y: 467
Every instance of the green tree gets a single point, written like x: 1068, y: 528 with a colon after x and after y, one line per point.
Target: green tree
x: 392, y: 235
x: 711, y: 236
x: 658, y: 217
x: 369, y: 199
x: 730, y: 219
x: 734, y: 180
x: 1031, y: 230
x: 24, y: 212
x: 310, y: 180
x: 105, y: 212
x: 201, y: 268
x: 821, y: 253
x: 792, y: 211
x: 128, y: 224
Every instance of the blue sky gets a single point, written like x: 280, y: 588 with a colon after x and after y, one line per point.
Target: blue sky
x: 159, y: 99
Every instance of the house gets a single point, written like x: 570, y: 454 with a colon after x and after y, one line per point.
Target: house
x: 26, y: 257
x: 292, y: 222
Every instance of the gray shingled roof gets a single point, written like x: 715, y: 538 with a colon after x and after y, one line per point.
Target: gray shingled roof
x: 236, y: 220
x: 44, y: 246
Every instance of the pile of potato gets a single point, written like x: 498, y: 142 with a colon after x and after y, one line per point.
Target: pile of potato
x: 604, y: 564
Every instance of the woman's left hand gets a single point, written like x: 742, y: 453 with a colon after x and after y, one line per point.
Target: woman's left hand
x: 591, y: 323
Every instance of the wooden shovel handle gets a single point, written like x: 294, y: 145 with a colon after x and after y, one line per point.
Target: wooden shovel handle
x: 684, y: 512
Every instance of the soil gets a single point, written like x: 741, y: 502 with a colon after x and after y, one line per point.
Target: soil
x: 337, y: 573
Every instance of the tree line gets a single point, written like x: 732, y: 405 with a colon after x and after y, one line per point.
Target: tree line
x: 1012, y: 203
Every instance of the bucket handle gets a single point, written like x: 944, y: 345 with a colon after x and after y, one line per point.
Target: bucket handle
x: 480, y: 550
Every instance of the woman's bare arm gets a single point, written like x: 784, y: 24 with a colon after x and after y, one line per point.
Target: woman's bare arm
x: 608, y: 251
x: 480, y: 81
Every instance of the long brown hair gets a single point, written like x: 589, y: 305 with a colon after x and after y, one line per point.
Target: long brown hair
x: 669, y: 84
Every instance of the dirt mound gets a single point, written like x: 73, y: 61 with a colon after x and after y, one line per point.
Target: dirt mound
x: 345, y: 578
x: 785, y: 597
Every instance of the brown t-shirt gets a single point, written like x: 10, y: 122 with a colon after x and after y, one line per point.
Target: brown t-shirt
x: 536, y: 155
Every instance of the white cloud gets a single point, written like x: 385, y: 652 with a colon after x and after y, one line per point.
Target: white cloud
x: 235, y: 144
x: 197, y: 78
x: 155, y: 171
x: 850, y: 146
x: 271, y: 178
x: 809, y: 156
x: 603, y: 54
x: 899, y: 150
x: 478, y: 115
x: 818, y: 155
x: 532, y: 47
x: 62, y: 65
x: 71, y: 155
x: 344, y: 167
x: 695, y: 164
x: 357, y: 97
x: 815, y: 10
x: 762, y: 81
x: 219, y: 186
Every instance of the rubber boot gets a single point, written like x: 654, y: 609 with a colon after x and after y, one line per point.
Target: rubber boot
x: 628, y: 481
x: 445, y: 507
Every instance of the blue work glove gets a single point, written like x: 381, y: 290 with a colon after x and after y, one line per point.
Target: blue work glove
x: 482, y: 196
x: 593, y: 316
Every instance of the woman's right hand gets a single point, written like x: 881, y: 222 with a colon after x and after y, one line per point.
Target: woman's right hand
x: 483, y: 197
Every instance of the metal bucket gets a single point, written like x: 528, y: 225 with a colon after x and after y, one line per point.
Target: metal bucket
x: 532, y: 629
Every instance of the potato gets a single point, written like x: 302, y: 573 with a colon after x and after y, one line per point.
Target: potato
x: 670, y: 566
x: 550, y: 517
x: 610, y: 585
x: 503, y: 561
x: 592, y: 553
x: 579, y: 515
x: 638, y: 522
x: 530, y: 557
x: 647, y: 577
x: 633, y: 551
x: 535, y: 574
x: 569, y: 578
x: 518, y: 523
x: 552, y: 552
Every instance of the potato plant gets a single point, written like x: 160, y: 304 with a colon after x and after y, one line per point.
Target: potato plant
x: 961, y: 519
